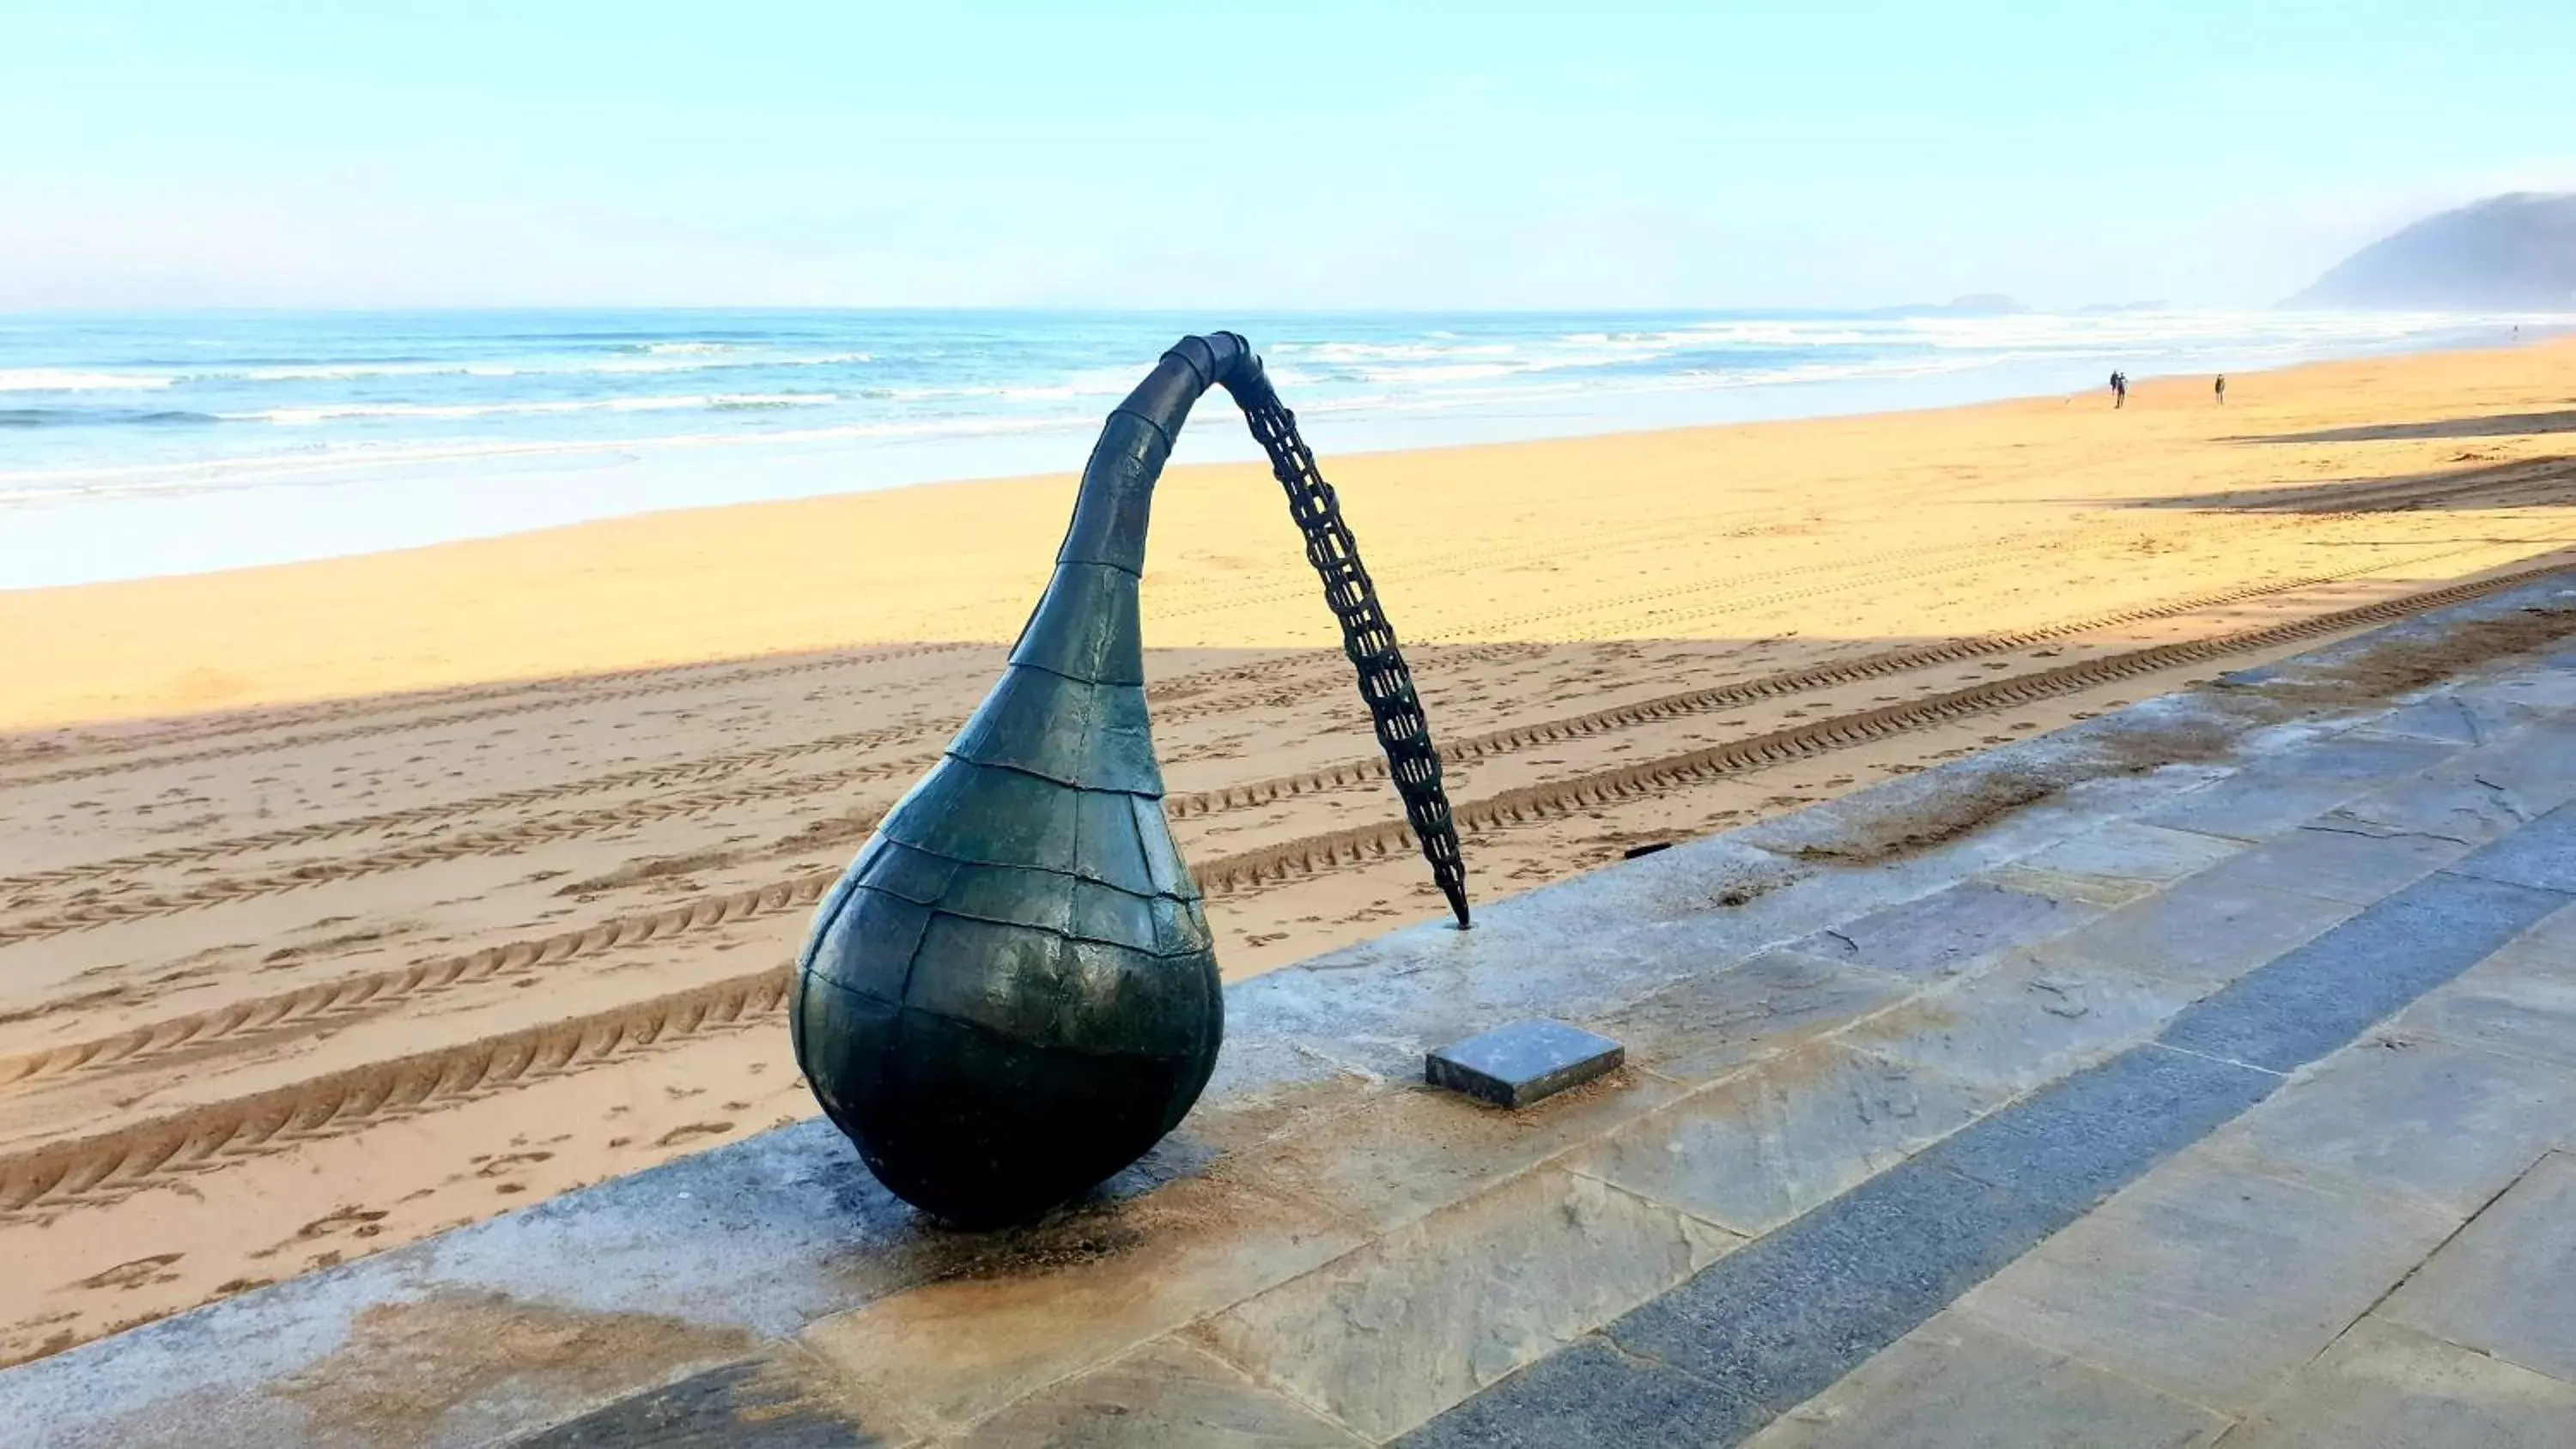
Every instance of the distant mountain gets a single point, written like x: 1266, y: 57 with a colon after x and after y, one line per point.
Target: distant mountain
x: 2511, y: 252
x: 1987, y: 304
x: 1974, y: 304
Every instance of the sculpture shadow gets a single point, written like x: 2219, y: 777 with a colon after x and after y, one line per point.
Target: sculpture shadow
x: 2498, y: 425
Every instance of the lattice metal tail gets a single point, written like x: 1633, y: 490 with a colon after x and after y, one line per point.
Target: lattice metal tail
x: 1386, y: 684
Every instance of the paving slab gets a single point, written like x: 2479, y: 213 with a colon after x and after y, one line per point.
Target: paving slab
x: 2549, y: 691
x: 1707, y: 1025
x: 2385, y: 1387
x: 2452, y: 803
x: 1955, y: 1383
x: 1593, y: 1396
x: 1384, y: 1338
x: 1999, y: 804
x: 1267, y: 1087
x: 2522, y: 1003
x: 2550, y: 945
x: 2320, y: 995
x: 1945, y: 931
x: 2253, y: 806
x: 947, y: 1353
x: 2115, y: 863
x: 757, y: 1403
x: 2455, y: 717
x: 2099, y: 1130
x: 2209, y: 1280
x: 2030, y: 1020
x: 2507, y: 1284
x: 1767, y: 1144
x: 2541, y: 855
x: 2347, y: 755
x: 2447, y: 1124
x: 1417, y: 1149
x: 1790, y: 1313
x: 2535, y: 766
x: 2341, y: 863
x: 2201, y: 931
x: 1166, y: 1395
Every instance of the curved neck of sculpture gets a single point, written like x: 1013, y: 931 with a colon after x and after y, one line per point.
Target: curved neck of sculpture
x: 1085, y: 625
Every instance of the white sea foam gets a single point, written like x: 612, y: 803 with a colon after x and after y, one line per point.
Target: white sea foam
x: 1102, y: 384
x: 362, y: 371
x: 334, y: 462
x: 342, y: 412
x: 55, y: 379
x: 1390, y: 351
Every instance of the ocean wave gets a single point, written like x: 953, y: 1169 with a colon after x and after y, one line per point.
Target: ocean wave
x: 1102, y: 383
x: 54, y: 379
x: 353, y: 461
x: 381, y: 407
x: 361, y: 371
x: 344, y: 412
x: 1330, y: 352
x: 1449, y: 371
x: 100, y: 417
x: 47, y: 379
x: 683, y: 361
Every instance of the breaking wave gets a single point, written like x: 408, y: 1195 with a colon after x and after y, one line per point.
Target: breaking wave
x: 100, y: 412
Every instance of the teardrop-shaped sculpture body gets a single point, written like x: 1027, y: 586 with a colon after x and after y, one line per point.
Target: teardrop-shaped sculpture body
x: 1012, y: 993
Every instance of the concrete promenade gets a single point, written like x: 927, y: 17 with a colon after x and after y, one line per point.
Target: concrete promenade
x: 2203, y: 1074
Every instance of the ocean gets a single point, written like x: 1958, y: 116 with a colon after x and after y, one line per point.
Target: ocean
x: 136, y: 445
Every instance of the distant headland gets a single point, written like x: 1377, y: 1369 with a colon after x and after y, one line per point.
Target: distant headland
x: 2516, y: 251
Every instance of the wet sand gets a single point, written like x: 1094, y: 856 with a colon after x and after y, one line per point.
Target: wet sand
x: 482, y: 883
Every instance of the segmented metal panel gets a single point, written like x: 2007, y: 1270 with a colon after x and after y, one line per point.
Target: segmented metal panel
x: 1012, y: 993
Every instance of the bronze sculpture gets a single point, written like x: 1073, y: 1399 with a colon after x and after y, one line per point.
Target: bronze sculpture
x: 1012, y: 992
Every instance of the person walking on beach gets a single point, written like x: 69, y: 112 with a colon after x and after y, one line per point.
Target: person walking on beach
x: 2220, y: 387
x: 2119, y: 389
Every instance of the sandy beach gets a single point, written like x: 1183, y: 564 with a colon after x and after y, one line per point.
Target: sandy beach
x: 344, y: 902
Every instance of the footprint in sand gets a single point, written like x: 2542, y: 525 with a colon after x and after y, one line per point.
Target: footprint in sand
x: 361, y: 1223
x: 688, y: 1130
x: 140, y: 1273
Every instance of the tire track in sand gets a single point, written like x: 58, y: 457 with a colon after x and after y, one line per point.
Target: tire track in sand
x: 1247, y: 871
x: 1879, y: 665
x: 650, y: 776
x: 401, y: 726
x: 372, y: 992
x: 1266, y: 867
x: 508, y: 840
x: 291, y: 716
x: 25, y: 889
x: 111, y: 1164
x: 118, y: 1161
x: 1186, y: 688
x: 1186, y: 708
x: 503, y: 840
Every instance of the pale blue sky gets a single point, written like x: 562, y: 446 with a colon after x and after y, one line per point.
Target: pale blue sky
x: 1247, y: 155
